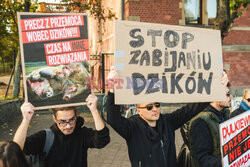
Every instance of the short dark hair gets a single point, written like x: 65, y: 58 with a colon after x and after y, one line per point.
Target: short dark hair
x: 55, y: 110
x: 12, y: 155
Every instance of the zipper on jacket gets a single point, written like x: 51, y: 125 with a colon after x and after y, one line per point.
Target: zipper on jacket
x: 162, y: 149
x: 139, y: 163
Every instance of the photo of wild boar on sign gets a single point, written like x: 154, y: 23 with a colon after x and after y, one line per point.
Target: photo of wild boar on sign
x: 68, y: 80
x: 55, y: 58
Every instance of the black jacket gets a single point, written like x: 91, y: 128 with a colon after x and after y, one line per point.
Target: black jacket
x: 150, y: 147
x: 68, y: 150
x: 236, y: 112
x: 202, y: 140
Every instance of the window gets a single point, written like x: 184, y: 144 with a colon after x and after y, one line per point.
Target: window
x: 200, y: 12
x: 193, y: 11
x: 211, y: 11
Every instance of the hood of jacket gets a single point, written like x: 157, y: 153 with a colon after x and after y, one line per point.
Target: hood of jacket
x: 222, y: 115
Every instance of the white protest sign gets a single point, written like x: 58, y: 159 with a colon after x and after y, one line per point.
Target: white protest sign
x: 167, y: 63
x: 235, y: 141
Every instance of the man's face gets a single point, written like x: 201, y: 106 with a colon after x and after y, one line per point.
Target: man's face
x: 66, y: 121
x: 245, y: 99
x: 227, y: 103
x: 150, y: 112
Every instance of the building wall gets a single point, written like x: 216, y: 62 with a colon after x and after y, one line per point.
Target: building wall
x: 236, y: 51
x: 236, y: 55
x: 102, y: 43
x: 155, y: 11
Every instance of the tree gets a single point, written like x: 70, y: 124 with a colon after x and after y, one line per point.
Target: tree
x: 8, y: 29
x: 94, y: 7
x: 9, y: 32
x: 228, y: 11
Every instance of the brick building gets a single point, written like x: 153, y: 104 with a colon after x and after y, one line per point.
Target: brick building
x: 196, y: 13
x: 236, y: 53
x: 154, y: 11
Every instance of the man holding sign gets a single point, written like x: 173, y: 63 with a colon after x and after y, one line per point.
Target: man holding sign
x: 71, y: 139
x: 150, y: 136
x: 203, y: 134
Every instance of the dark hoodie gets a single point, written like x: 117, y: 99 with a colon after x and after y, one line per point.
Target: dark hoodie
x: 68, y: 150
x: 202, y: 139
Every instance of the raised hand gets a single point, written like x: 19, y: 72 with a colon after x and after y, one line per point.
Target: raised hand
x: 92, y: 102
x: 112, y: 78
x: 27, y: 111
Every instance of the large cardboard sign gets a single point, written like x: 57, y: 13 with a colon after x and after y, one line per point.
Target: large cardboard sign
x: 55, y: 55
x: 235, y: 141
x: 167, y: 63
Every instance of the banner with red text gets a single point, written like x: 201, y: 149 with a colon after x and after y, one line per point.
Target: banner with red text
x: 235, y: 141
x: 55, y: 58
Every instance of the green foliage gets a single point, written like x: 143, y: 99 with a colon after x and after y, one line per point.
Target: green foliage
x: 7, y: 98
x: 94, y: 7
x: 9, y: 41
x: 234, y: 6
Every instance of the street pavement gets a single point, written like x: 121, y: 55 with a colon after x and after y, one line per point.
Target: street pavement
x: 115, y: 154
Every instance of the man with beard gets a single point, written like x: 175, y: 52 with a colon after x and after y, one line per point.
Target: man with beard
x: 203, y: 138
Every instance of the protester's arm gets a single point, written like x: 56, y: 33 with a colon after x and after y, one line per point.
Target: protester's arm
x: 184, y: 114
x: 92, y: 105
x: 21, y: 133
x: 96, y: 138
x: 202, y: 142
x: 181, y: 116
x: 120, y: 124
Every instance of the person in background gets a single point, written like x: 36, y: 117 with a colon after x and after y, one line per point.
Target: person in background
x: 11, y: 155
x: 201, y: 135
x: 244, y: 105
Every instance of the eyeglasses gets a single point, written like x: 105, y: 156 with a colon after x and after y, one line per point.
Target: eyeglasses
x: 248, y: 99
x: 64, y: 123
x: 150, y: 106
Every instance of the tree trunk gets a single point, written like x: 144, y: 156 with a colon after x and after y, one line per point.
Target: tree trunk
x: 222, y: 21
x: 18, y: 69
x: 2, y: 60
x: 17, y: 75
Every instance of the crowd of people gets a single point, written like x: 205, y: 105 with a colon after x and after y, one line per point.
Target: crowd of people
x: 150, y: 135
